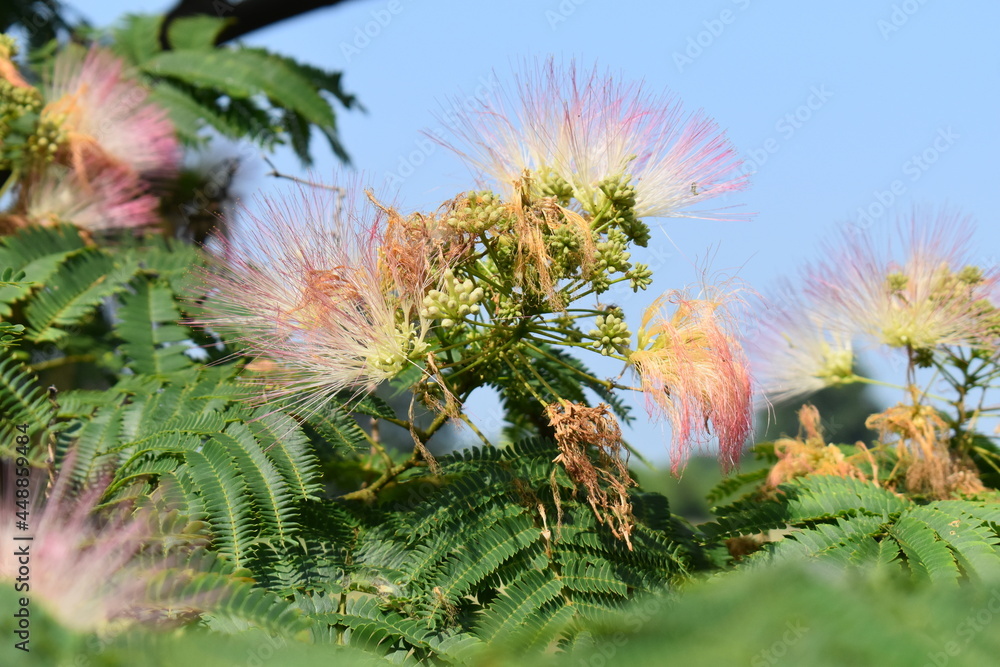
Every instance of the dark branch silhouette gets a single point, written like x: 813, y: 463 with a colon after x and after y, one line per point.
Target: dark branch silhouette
x: 247, y: 16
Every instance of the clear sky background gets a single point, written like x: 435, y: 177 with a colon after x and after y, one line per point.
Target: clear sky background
x: 885, y: 81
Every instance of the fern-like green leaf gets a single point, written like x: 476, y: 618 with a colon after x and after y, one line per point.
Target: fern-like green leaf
x: 195, y: 32
x: 224, y: 493
x: 730, y: 485
x: 592, y: 576
x: 37, y: 251
x: 147, y: 325
x: 338, y: 428
x: 77, y: 287
x: 22, y: 402
x: 137, y: 38
x: 96, y: 437
x: 827, y: 496
x: 928, y: 556
x: 289, y: 449
x: 189, y: 114
x: 517, y: 608
x: 272, y: 498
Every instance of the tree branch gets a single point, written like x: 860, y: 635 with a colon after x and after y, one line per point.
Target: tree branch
x: 247, y: 16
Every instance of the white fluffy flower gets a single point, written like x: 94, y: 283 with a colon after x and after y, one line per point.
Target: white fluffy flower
x: 582, y: 129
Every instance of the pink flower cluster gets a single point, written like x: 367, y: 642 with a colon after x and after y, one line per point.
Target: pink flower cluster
x: 315, y: 288
x: 114, y: 146
x: 918, y: 290
x: 693, y: 372
x: 586, y: 128
x: 88, y: 568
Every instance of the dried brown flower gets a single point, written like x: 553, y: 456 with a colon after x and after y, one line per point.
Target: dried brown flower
x: 578, y: 428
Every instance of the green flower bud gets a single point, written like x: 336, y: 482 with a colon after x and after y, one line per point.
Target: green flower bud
x: 971, y: 275
x: 612, y: 333
x: 611, y: 253
x: 634, y: 229
x: 551, y: 184
x: 618, y: 191
x: 48, y: 137
x: 896, y: 282
x: 600, y: 282
x: 457, y: 299
x: 479, y: 211
x: 508, y: 309
x: 640, y: 277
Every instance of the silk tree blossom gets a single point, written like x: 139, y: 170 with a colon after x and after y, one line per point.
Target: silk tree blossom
x: 920, y: 292
x: 114, y: 198
x: 107, y: 115
x: 8, y: 70
x: 569, y: 131
x: 694, y: 372
x: 307, y: 291
x: 89, y: 570
x: 793, y: 354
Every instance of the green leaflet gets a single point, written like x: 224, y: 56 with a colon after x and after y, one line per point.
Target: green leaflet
x: 474, y: 558
x: 239, y: 91
x: 856, y: 524
x: 22, y: 402
x: 147, y: 322
x: 38, y: 252
x: 517, y: 608
x: 76, y: 288
x: 195, y: 32
x: 272, y: 498
x: 227, y: 504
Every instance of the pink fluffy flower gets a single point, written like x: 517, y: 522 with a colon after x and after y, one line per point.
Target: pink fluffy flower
x: 306, y: 290
x: 107, y: 115
x: 694, y: 372
x: 919, y: 290
x: 114, y: 198
x: 87, y: 569
x: 586, y: 128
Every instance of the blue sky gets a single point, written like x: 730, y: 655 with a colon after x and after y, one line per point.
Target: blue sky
x: 834, y: 105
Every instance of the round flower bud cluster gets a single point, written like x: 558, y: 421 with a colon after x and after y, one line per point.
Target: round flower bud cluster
x: 610, y: 258
x: 458, y: 299
x: 551, y: 184
x: 970, y: 275
x: 481, y: 211
x: 16, y: 102
x: 611, y: 255
x: 563, y: 246
x: 8, y: 46
x: 636, y: 230
x: 18, y: 116
x: 388, y: 362
x: 611, y: 334
x: 617, y: 191
x: 616, y: 194
x: 392, y: 358
x: 897, y: 282
x: 508, y: 310
x: 640, y: 277
x: 48, y: 137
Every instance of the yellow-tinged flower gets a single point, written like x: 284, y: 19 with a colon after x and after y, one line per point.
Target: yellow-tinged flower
x: 920, y: 292
x: 310, y: 288
x: 694, y: 373
x: 794, y: 354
